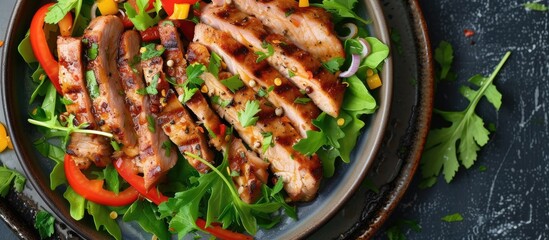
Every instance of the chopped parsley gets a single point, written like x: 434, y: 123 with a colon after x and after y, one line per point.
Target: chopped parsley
x: 167, y: 146
x: 302, y: 100
x: 151, y: 89
x: 247, y: 117
x: 66, y: 101
x: 151, y: 51
x: 264, y: 92
x: 333, y: 64
x: 93, y: 51
x: 91, y: 83
x: 291, y: 74
x: 151, y: 123
x: 264, y: 55
x: 218, y: 101
x: 44, y: 223
x: 267, y: 141
x: 456, y: 217
x: 535, y: 6
x: 233, y: 83
x: 215, y: 64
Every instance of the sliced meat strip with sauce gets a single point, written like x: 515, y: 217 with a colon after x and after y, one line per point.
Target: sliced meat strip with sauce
x: 301, y: 174
x: 310, y: 28
x: 240, y: 60
x: 305, y: 71
x: 101, y: 40
x: 153, y: 153
x: 175, y: 120
x: 252, y: 170
x: 84, y: 148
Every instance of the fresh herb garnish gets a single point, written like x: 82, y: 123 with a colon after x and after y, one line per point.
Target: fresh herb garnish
x: 444, y: 55
x: 115, y: 145
x: 264, y: 55
x: 302, y: 100
x: 194, y: 71
x: 151, y: 50
x: 188, y: 93
x: 333, y: 64
x: 291, y: 74
x: 264, y: 92
x: 91, y: 83
x: 151, y: 124
x: 456, y: 217
x: 10, y: 178
x: 247, y: 117
x: 233, y: 83
x: 289, y: 12
x: 535, y: 6
x: 151, y: 89
x: 267, y: 141
x: 215, y: 64
x: 396, y: 231
x: 140, y: 17
x: 44, y: 223
x: 218, y: 101
x: 93, y: 51
x: 66, y: 101
x: 467, y: 129
x: 341, y: 9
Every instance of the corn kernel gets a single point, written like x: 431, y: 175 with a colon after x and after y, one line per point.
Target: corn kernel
x: 303, y: 3
x: 340, y: 121
x: 373, y: 81
x: 278, y: 82
x: 113, y: 215
x: 180, y: 11
x: 204, y: 89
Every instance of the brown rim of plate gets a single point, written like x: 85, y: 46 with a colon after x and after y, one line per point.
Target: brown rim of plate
x: 426, y: 71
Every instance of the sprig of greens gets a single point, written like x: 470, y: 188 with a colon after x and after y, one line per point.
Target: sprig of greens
x: 140, y: 17
x: 342, y: 9
x: 444, y: 56
x: 466, y: 130
x: 44, y: 223
x: 264, y: 55
x: 10, y: 178
x: 247, y: 116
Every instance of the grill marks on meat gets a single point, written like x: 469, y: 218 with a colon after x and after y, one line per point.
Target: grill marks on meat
x: 84, y: 148
x: 152, y: 156
x: 174, y: 118
x: 103, y: 35
x: 301, y: 174
x: 304, y: 70
x: 244, y: 63
x: 252, y: 170
x: 310, y: 28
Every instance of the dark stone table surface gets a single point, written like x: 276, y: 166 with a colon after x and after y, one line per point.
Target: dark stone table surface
x: 510, y: 200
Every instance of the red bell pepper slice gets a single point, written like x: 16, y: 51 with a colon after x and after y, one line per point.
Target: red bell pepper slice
x: 40, y: 46
x: 168, y: 5
x: 219, y: 232
x: 93, y: 190
x: 126, y: 171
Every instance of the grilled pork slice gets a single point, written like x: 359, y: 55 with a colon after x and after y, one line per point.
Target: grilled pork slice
x: 310, y: 28
x: 301, y: 174
x: 152, y: 154
x: 174, y: 118
x: 261, y: 76
x: 252, y: 170
x: 305, y: 71
x: 84, y: 148
x: 101, y: 40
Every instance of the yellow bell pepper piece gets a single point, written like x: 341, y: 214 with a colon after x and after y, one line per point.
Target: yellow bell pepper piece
x: 107, y: 7
x: 3, y: 138
x: 303, y: 3
x: 373, y: 81
x: 180, y: 11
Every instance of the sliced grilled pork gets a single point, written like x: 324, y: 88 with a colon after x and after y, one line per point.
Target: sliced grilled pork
x: 301, y: 174
x: 252, y: 170
x: 240, y: 60
x: 84, y: 148
x: 174, y: 118
x: 101, y: 40
x: 153, y: 153
x: 310, y: 28
x: 307, y: 73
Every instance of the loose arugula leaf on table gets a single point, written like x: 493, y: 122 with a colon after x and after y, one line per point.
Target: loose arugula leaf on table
x: 456, y: 217
x: 535, y: 6
x: 444, y: 55
x: 139, y: 17
x: 467, y: 130
x: 247, y: 117
x: 342, y: 9
x: 44, y: 223
x: 9, y: 178
x: 396, y: 231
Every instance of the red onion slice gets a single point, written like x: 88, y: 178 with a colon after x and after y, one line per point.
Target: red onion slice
x: 353, y: 31
x: 355, y: 63
x: 366, y: 48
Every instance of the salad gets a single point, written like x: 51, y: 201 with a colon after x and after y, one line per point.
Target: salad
x: 185, y: 116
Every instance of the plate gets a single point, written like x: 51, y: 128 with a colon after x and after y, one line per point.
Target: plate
x: 12, y: 87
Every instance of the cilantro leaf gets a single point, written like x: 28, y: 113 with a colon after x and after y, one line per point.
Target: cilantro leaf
x: 194, y: 71
x: 215, y: 64
x: 456, y: 217
x: 444, y: 55
x: 151, y: 50
x: 341, y: 9
x: 264, y: 55
x: 9, y: 178
x: 535, y: 6
x: 247, y: 117
x: 264, y: 92
x: 188, y: 93
x: 233, y: 83
x: 333, y: 64
x: 44, y: 223
x: 152, y: 88
x: 267, y: 141
x: 219, y: 101
x: 466, y: 130
x: 139, y: 17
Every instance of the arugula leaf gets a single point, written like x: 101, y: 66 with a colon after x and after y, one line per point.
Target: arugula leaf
x: 264, y: 55
x: 60, y: 9
x: 9, y: 178
x: 139, y: 17
x: 151, y: 50
x: 341, y: 9
x: 215, y: 64
x: 91, y: 83
x: 233, y: 83
x: 76, y: 202
x: 44, y: 223
x: 466, y: 130
x: 333, y: 64
x: 456, y: 217
x: 535, y: 6
x: 444, y: 55
x: 111, y: 178
x: 247, y: 117
x: 102, y: 219
x: 25, y: 50
x: 144, y: 213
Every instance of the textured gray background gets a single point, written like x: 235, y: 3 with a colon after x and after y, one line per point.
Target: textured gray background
x: 510, y: 200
